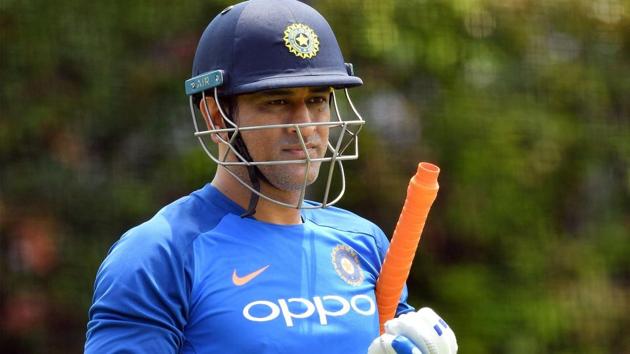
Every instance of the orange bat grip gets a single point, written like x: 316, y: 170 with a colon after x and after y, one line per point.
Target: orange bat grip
x: 421, y: 193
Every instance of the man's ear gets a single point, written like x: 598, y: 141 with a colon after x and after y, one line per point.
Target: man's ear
x: 212, y: 116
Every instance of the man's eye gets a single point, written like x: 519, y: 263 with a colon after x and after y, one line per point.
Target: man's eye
x: 277, y: 102
x: 317, y: 100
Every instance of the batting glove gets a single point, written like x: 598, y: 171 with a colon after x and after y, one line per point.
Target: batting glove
x: 414, y: 333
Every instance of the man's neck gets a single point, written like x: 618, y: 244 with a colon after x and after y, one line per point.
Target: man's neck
x: 265, y: 210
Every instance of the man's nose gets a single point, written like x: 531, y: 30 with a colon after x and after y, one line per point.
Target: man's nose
x: 300, y: 115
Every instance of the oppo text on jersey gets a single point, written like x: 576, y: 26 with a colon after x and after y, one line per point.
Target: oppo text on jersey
x: 361, y: 304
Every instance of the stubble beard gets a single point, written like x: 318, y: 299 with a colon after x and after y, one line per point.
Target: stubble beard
x: 290, y: 177
x: 282, y: 177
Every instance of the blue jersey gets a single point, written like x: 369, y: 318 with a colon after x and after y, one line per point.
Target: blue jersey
x: 198, y: 278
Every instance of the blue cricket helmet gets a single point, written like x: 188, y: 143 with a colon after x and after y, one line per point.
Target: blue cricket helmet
x: 268, y: 44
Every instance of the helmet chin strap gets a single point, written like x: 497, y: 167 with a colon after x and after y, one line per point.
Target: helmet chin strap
x: 254, y: 176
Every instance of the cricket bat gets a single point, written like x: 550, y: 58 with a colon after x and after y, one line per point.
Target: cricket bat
x: 421, y: 193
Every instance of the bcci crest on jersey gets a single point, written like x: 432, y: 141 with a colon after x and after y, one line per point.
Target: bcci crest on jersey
x: 346, y: 264
x: 301, y: 40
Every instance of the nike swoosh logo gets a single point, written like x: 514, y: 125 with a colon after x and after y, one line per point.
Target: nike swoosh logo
x: 239, y: 281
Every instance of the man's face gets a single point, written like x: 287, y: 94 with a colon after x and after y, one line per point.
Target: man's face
x: 285, y: 106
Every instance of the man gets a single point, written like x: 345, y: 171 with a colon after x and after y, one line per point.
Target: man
x: 246, y: 264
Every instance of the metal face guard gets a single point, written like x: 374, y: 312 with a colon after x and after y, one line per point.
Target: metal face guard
x: 335, y: 152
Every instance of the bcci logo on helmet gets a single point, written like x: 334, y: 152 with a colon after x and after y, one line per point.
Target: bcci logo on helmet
x: 301, y: 40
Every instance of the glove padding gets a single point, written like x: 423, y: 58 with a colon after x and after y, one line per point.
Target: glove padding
x: 416, y: 332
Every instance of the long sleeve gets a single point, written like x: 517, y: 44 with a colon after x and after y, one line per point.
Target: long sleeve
x: 141, y: 293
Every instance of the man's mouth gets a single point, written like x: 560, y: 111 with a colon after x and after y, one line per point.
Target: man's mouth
x: 298, y: 152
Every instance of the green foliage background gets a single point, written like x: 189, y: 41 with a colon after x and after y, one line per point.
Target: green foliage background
x: 525, y: 105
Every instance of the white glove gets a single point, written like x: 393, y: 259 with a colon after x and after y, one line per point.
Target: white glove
x: 416, y: 332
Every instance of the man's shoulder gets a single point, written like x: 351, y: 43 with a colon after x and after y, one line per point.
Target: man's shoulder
x: 342, y: 219
x: 172, y: 230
